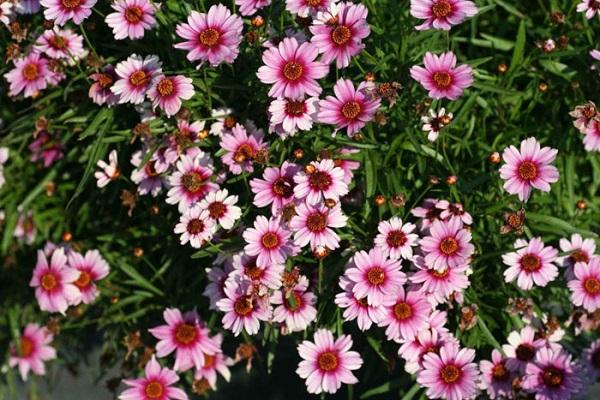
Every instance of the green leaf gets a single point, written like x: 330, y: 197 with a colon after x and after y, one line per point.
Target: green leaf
x: 519, y: 51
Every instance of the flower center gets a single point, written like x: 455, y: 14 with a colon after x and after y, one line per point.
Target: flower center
x: 450, y: 373
x: 295, y: 108
x: 150, y: 169
x: 71, y: 4
x: 195, y: 226
x: 193, y: 182
x: 282, y: 188
x: 376, y: 276
x: 84, y: 280
x: 402, y: 310
x: 30, y: 72
x: 552, y: 377
x: 253, y: 271
x: 133, y: 14
x: 243, y: 153
x: 396, y: 239
x: 531, y: 263
x: 294, y: 301
x: 292, y: 70
x: 449, y: 246
x: 209, y: 37
x: 319, y: 180
x: 579, y: 256
x: 328, y: 361
x: 49, y: 281
x: 351, y: 109
x: 138, y: 78
x: 26, y: 347
x: 58, y: 42
x: 209, y: 361
x: 243, y: 306
x: 441, y: 9
x: 270, y: 240
x: 499, y: 372
x: 527, y: 170
x: 185, y: 333
x: 229, y: 122
x: 341, y: 35
x: 591, y: 286
x: 313, y: 3
x: 217, y: 210
x: 525, y: 352
x: 165, y: 87
x: 154, y: 390
x: 316, y: 222
x: 442, y: 79
x: 105, y: 81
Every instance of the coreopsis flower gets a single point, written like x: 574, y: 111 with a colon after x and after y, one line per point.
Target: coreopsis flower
x: 441, y: 77
x: 322, y: 180
x: 553, y: 375
x: 100, y: 91
x: 61, y: 11
x: 306, y: 8
x: 585, y: 286
x: 295, y: 307
x: 292, y: 69
x: 276, y: 187
x: 261, y: 274
x: 213, y: 364
x: 131, y: 18
x: 54, y: 282
x: 61, y: 44
x: 527, y: 168
x: 357, y: 308
x: 395, y: 238
x: 268, y: 240
x: 149, y: 177
x: 156, y: 384
x: 496, y: 378
x: 312, y: 224
x: 439, y: 284
x: 327, y: 362
x: 435, y: 122
x: 182, y: 140
x: 167, y: 93
x: 339, y: 31
x: 578, y: 249
x: 27, y: 6
x: 407, y: 313
x: 243, y: 310
x: 92, y: 268
x: 287, y: 116
x: 451, y: 374
x: 46, y: 147
x: 249, y: 7
x: 224, y: 121
x: 212, y: 37
x: 454, y: 210
x: 32, y: 350
x: 350, y: 108
x: 6, y: 12
x: 521, y: 348
x: 531, y: 264
x: 583, y: 115
x: 513, y: 221
x: 221, y: 208
x: 29, y: 76
x: 191, y: 182
x: 108, y: 171
x: 195, y: 226
x: 590, y: 361
x: 441, y: 14
x: 589, y: 7
x: 241, y: 147
x: 135, y: 74
x: 448, y: 244
x: 591, y: 138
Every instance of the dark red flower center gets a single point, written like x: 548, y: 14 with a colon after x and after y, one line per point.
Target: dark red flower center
x: 30, y: 72
x: 591, y: 286
x: 313, y: 3
x: 442, y: 79
x: 105, y: 81
x: 341, y: 35
x: 150, y: 169
x: 449, y: 246
x: 295, y: 108
x: 579, y: 256
x: 525, y: 352
x: 209, y: 37
x: 292, y: 70
x: 499, y: 372
x: 243, y: 306
x: 552, y: 377
x: 320, y: 180
x: 396, y: 239
x: 133, y: 14
x: 282, y: 187
x: 351, y: 109
x: 527, y: 170
x: 270, y: 240
x: 217, y: 209
x: 154, y: 390
x: 49, y: 281
x: 316, y: 222
x: 450, y: 373
x: 165, y: 87
x: 26, y: 347
x: 185, y: 333
x: 84, y: 280
x: 328, y: 361
x: 243, y: 153
x: 376, y: 276
x: 193, y: 182
x: 195, y: 226
x: 531, y: 262
x: 402, y: 310
x: 209, y: 361
x: 139, y: 78
x: 294, y: 301
x: 58, y: 42
x: 71, y: 4
x: 441, y: 9
x: 253, y: 271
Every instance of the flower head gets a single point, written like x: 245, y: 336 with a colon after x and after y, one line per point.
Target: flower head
x: 585, y: 287
x: 108, y: 171
x: 241, y: 147
x: 131, y: 18
x: 322, y: 180
x: 195, y: 226
x: 61, y: 43
x: 496, y: 378
x: 553, y: 375
x: 92, y: 268
x: 395, y: 239
x: 276, y: 187
x: 61, y: 11
x: 191, y: 182
x: 31, y: 350
x: 167, y: 93
x: 531, y: 263
x: 407, y: 314
x: 287, y: 116
x: 448, y: 244
x: 312, y: 224
x: 243, y: 310
x: 441, y: 77
x: 30, y: 75
x: 135, y: 76
x: 441, y: 14
x: 269, y: 241
x: 155, y: 385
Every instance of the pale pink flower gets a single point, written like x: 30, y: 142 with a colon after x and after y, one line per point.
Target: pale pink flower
x: 531, y: 264
x: 276, y: 187
x: 57, y: 43
x: 249, y: 7
x: 584, y: 114
x: 108, y: 171
x: 553, y: 375
x: 131, y: 18
x: 578, y: 249
x: 448, y: 244
x: 92, y: 268
x: 195, y: 226
x: 268, y: 240
x: 395, y: 239
x: 136, y: 75
x: 155, y: 385
x: 29, y: 75
x: 295, y: 307
x: 100, y: 91
x: 496, y: 378
x: 167, y: 93
x: 306, y: 8
x: 441, y: 77
x: 25, y: 229
x: 591, y: 138
x: 324, y: 180
x: 222, y: 208
x: 191, y: 182
x: 240, y: 148
x: 589, y: 7
x: 454, y: 210
x: 287, y: 116
x: 428, y: 213
x: 312, y: 224
x: 217, y: 276
x: 224, y: 121
x: 61, y: 11
x: 441, y: 14
x: 248, y: 267
x: 433, y: 123
x: 407, y: 314
x: 183, y: 140
x: 32, y: 349
x: 149, y: 177
x: 243, y: 311
x: 213, y: 364
x: 439, y: 284
x: 357, y: 308
x: 521, y: 348
x: 585, y: 287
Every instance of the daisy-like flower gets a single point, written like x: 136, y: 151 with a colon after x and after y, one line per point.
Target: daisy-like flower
x: 589, y: 7
x: 91, y: 268
x: 248, y: 267
x: 108, y: 171
x: 212, y: 37
x: 591, y: 138
x: 441, y: 77
x: 454, y: 210
x: 54, y: 282
x: 521, y: 348
x: 435, y: 122
x: 295, y: 307
x: 195, y: 226
x: 224, y: 121
x: 585, y: 287
x: 157, y: 384
x: 100, y: 91
x: 426, y: 341
x: 396, y: 239
x: 276, y: 187
x: 240, y: 148
x: 213, y: 364
x: 312, y: 224
x: 553, y: 375
x: 496, y: 378
x: 149, y: 177
x: 439, y: 284
x: 448, y: 244
x: 221, y: 208
x: 269, y: 241
x: 590, y: 360
x: 578, y: 249
x: 243, y: 311
x: 29, y: 75
x: 131, y: 18
x: 287, y: 116
x: 249, y: 7
x: 57, y: 43
x: 531, y: 264
x: 61, y: 11
x: 327, y: 362
x: 428, y: 213
x: 527, y: 168
x: 375, y: 276
x: 191, y: 182
x: 32, y: 350
x: 321, y: 180
x: 451, y: 374
x: 136, y: 74
x: 584, y: 114
x: 306, y: 8
x: 182, y: 140
x: 6, y: 12
x: 167, y: 93
x: 356, y: 308
x: 350, y: 108
x: 186, y: 335
x: 441, y: 14
x: 407, y: 314
x: 292, y: 69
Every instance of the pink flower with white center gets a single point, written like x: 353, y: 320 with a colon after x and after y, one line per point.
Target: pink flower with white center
x: 307, y: 8
x: 578, y: 249
x: 57, y: 43
x: 375, y: 276
x: 167, y: 93
x: 29, y: 75
x: 350, y: 108
x: 243, y: 311
x: 441, y: 77
x: 195, y: 226
x: 222, y: 208
x: 434, y: 123
x: 131, y: 18
x: 136, y: 75
x: 287, y: 116
x: 213, y: 364
x: 312, y: 224
x: 496, y: 378
x: 439, y: 284
x: 31, y: 350
x: 527, y: 168
x: 531, y: 264
x: 268, y: 274
x: 585, y: 287
x: 356, y: 308
x: 191, y: 182
x: 61, y: 11
x: 292, y: 69
x: 276, y: 187
x: 407, y: 314
x: 448, y: 244
x: 590, y: 360
x: 553, y: 375
x: 241, y: 147
x: 186, y: 335
x: 428, y: 213
x: 269, y: 241
x: 212, y: 37
x: 249, y: 7
x: 396, y: 239
x: 91, y: 268
x: 54, y: 282
x: 321, y: 180
x: 339, y: 31
x: 295, y: 308
x: 451, y: 374
x: 591, y: 138
x: 108, y: 171
x: 521, y: 348
x: 441, y: 14
x: 155, y: 385
x: 149, y: 177
x: 100, y: 92
x: 454, y: 210
x: 589, y: 7
x: 327, y: 362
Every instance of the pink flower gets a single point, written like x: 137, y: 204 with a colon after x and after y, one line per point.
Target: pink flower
x: 222, y: 208
x: 350, y: 108
x: 167, y: 93
x: 295, y: 308
x: 186, y: 335
x: 195, y: 226
x: 156, y: 385
x: 496, y: 378
x: 277, y: 187
x: 306, y: 8
x: 357, y: 308
x: 528, y: 168
x: 434, y: 122
x: 32, y: 350
x: 213, y: 37
x: 249, y: 7
x: 456, y: 210
x: 183, y: 140
x: 149, y: 177
x: 29, y: 75
x: 241, y: 148
x: 243, y: 311
x: 218, y: 362
x: 267, y: 275
x: 583, y: 114
x: 553, y: 375
x: 136, y: 75
x: 91, y: 268
x: 396, y: 239
x: 327, y: 362
x: 60, y: 11
x: 578, y: 249
x: 428, y: 213
x: 591, y: 138
x: 269, y: 241
x: 441, y: 77
x: 57, y: 43
x: 589, y: 7
x: 323, y: 180
x: 108, y: 171
x: 521, y: 348
x: 531, y: 263
x: 46, y: 147
x: 407, y: 314
x: 191, y: 182
x: 287, y: 116
x: 448, y: 245
x: 100, y: 91
x: 292, y: 69
x: 441, y: 14
x: 312, y: 224
x: 341, y: 39
x: 585, y: 287
x: 439, y: 284
x: 54, y: 283
x: 132, y: 18
x: 450, y: 375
